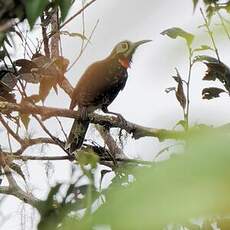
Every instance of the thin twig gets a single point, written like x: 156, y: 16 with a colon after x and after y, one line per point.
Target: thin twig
x: 43, y: 158
x: 22, y: 92
x: 166, y: 149
x: 26, y: 43
x: 9, y: 141
x: 85, y: 46
x: 11, y: 132
x: 62, y: 128
x: 71, y: 18
x: 186, y: 113
x: 223, y: 24
x: 210, y: 34
x: 78, y: 13
x: 55, y: 139
x: 13, y: 188
x: 31, y: 142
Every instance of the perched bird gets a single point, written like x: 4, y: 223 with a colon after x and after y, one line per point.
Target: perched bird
x: 98, y: 87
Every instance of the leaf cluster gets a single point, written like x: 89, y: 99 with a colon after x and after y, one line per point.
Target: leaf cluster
x: 30, y: 10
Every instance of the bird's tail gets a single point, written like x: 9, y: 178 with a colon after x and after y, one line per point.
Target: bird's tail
x: 77, y: 135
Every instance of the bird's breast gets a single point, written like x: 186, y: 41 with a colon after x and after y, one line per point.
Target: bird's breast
x: 116, y: 73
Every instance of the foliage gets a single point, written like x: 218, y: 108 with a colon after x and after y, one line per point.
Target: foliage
x: 177, y: 192
x: 183, y: 188
x: 29, y: 9
x: 34, y: 8
x: 172, y: 194
x: 178, y: 32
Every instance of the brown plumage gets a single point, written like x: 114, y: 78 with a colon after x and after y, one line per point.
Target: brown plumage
x: 98, y: 87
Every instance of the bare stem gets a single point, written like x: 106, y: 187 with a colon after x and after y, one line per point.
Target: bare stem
x: 55, y: 139
x: 210, y: 33
x: 84, y: 47
x: 223, y: 24
x: 78, y: 13
x: 186, y: 112
x: 11, y: 132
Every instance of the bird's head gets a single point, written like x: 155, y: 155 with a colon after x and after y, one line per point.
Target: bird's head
x: 124, y: 51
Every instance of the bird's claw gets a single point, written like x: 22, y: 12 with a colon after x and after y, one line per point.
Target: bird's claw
x: 121, y: 120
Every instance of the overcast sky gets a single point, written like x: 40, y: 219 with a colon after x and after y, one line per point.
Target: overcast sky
x: 143, y: 100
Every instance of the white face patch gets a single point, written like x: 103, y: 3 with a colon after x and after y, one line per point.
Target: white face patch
x: 122, y: 47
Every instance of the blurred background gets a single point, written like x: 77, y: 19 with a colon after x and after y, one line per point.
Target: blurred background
x: 143, y: 101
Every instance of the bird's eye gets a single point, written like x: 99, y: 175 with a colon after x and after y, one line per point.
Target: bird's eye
x: 124, y: 46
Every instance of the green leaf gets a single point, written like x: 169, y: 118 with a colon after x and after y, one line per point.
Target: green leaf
x: 223, y: 223
x: 202, y: 58
x: 34, y: 9
x: 227, y: 7
x: 175, y: 32
x: 185, y: 187
x: 86, y: 157
x: 82, y: 36
x: 203, y: 48
x: 182, y: 123
x: 64, y: 7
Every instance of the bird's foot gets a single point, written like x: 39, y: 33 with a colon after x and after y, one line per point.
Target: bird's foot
x: 121, y: 119
x: 118, y: 115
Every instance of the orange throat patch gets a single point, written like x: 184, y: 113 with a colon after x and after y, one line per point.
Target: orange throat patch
x: 124, y: 62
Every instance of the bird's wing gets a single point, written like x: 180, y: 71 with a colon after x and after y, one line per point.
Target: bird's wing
x: 97, y: 83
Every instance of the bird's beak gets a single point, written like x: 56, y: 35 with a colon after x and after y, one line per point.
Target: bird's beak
x: 133, y: 47
x: 136, y: 44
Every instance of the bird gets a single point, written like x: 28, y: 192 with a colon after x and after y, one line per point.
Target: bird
x: 98, y: 87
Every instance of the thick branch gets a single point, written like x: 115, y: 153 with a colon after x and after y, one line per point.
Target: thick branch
x: 5, y: 190
x: 35, y: 141
x: 56, y: 37
x: 114, y: 149
x: 19, y: 193
x: 136, y: 130
x: 57, y: 158
x: 55, y: 40
x: 66, y: 86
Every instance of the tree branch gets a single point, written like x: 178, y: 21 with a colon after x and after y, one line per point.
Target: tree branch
x: 13, y: 188
x: 114, y: 149
x: 11, y: 132
x: 136, y: 130
x: 55, y: 139
x: 57, y: 158
x: 31, y: 142
x: 78, y: 13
